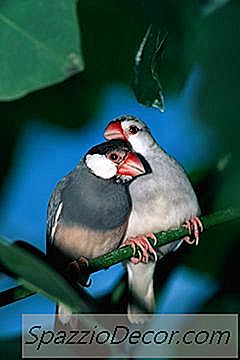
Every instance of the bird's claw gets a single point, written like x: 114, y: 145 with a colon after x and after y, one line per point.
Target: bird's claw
x: 194, y: 227
x: 75, y: 271
x: 143, y: 243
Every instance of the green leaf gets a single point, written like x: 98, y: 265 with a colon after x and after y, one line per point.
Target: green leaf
x: 147, y: 85
x: 39, y: 45
x: 209, y: 6
x: 11, y: 347
x: 168, y: 51
x: 38, y: 276
x: 110, y: 32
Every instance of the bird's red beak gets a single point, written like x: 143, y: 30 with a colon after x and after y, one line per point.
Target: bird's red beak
x: 131, y: 166
x: 114, y: 130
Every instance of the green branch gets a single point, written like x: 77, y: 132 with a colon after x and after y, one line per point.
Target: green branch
x: 163, y: 238
x: 126, y: 252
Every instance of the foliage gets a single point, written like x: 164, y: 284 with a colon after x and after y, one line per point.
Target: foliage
x: 41, y: 45
x: 34, y: 273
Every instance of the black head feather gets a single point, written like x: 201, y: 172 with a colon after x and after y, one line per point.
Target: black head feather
x: 108, y: 146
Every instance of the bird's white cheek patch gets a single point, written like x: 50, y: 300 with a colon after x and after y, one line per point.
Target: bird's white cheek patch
x: 139, y: 143
x: 101, y: 166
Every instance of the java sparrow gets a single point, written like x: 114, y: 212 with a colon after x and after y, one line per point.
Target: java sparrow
x: 161, y: 200
x: 89, y: 209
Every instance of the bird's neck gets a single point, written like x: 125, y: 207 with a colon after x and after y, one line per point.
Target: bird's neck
x: 144, y: 146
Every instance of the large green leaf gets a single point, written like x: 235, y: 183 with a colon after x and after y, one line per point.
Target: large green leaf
x: 171, y: 47
x: 168, y: 51
x: 37, y: 275
x: 11, y: 348
x: 39, y: 45
x: 147, y: 85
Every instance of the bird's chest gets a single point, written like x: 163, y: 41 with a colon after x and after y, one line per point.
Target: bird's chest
x: 94, y: 206
x: 158, y: 207
x: 75, y: 241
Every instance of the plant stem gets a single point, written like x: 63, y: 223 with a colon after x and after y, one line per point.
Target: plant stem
x: 165, y: 237
x: 126, y: 252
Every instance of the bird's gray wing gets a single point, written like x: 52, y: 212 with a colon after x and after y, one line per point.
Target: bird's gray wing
x: 53, y: 210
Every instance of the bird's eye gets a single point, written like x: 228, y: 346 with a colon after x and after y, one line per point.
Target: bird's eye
x: 113, y: 156
x: 134, y: 129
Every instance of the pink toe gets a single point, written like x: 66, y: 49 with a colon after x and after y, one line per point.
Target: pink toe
x: 199, y: 223
x: 152, y: 236
x: 135, y: 260
x: 194, y: 226
x: 188, y: 240
x: 143, y: 243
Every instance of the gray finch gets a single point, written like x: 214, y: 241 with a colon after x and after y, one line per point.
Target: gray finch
x: 161, y: 200
x: 89, y: 209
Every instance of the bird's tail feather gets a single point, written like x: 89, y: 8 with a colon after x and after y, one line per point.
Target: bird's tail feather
x: 64, y: 318
x: 141, y: 294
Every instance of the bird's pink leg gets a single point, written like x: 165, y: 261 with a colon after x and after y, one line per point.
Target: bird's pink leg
x: 145, y: 246
x: 194, y: 226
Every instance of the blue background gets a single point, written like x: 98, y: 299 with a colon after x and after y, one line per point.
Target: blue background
x: 45, y: 153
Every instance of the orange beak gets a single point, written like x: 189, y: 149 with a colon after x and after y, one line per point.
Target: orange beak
x: 114, y: 131
x: 131, y: 166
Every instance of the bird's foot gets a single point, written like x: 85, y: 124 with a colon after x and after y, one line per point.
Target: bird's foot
x: 143, y: 243
x: 195, y: 227
x: 75, y: 271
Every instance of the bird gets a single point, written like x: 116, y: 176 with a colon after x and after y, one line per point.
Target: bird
x: 163, y: 199
x: 89, y: 208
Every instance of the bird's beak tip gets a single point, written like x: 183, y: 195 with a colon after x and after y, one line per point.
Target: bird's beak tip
x: 131, y: 166
x: 114, y: 131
